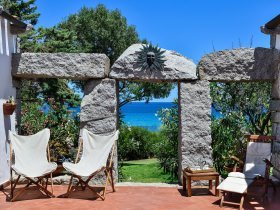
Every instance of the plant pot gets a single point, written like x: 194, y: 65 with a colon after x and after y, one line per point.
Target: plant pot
x: 9, y: 108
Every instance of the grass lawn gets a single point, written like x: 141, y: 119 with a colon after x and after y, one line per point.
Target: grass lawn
x: 147, y: 171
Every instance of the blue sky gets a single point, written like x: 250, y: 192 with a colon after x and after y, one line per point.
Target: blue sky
x: 190, y: 27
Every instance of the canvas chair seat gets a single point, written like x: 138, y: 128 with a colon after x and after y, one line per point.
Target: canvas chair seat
x: 80, y: 169
x: 40, y: 170
x: 94, y: 159
x: 31, y: 161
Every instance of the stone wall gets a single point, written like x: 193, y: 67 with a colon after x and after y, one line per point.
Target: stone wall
x: 195, y: 121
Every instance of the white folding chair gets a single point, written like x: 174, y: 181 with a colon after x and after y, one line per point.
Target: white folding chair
x: 32, y: 156
x: 94, y: 159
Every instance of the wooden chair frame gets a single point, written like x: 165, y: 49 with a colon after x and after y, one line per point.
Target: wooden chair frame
x: 39, y: 182
x: 108, y: 170
x: 264, y: 181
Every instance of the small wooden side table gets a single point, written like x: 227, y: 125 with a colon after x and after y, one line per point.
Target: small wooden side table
x: 200, y: 176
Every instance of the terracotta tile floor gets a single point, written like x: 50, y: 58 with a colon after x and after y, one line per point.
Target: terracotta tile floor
x: 130, y: 198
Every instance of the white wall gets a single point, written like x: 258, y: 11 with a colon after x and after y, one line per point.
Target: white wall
x: 7, y: 46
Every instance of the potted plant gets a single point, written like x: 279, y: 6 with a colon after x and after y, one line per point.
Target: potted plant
x: 10, y: 106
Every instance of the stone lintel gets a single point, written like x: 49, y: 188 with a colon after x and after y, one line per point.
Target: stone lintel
x: 244, y: 64
x: 274, y: 105
x: 77, y: 66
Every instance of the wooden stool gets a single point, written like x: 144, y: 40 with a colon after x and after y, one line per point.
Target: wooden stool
x: 200, y: 176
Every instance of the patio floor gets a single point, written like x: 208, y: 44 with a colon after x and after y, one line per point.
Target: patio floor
x: 131, y: 198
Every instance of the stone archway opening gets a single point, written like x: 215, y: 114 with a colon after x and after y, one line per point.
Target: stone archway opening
x: 148, y: 142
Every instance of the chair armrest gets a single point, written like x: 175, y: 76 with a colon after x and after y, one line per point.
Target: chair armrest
x: 236, y: 159
x: 267, y: 168
x: 268, y: 162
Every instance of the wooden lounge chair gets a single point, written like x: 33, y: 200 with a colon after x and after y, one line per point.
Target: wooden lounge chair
x: 95, y: 159
x: 31, y: 161
x: 256, y: 169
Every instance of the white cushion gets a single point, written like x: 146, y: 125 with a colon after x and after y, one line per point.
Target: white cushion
x: 235, y: 184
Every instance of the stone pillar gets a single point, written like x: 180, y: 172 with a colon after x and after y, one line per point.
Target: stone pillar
x: 275, y: 118
x: 99, y: 106
x: 195, y: 120
x: 99, y: 110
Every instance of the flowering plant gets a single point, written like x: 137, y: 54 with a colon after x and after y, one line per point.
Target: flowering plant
x: 11, y: 100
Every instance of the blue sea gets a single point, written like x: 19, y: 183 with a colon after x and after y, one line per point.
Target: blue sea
x: 144, y: 114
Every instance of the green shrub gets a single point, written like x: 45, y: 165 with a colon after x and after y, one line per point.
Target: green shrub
x: 228, y: 140
x: 136, y: 143
x: 64, y: 127
x: 244, y: 109
x: 166, y: 149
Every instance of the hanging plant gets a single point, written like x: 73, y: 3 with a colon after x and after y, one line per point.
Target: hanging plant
x: 10, y: 106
